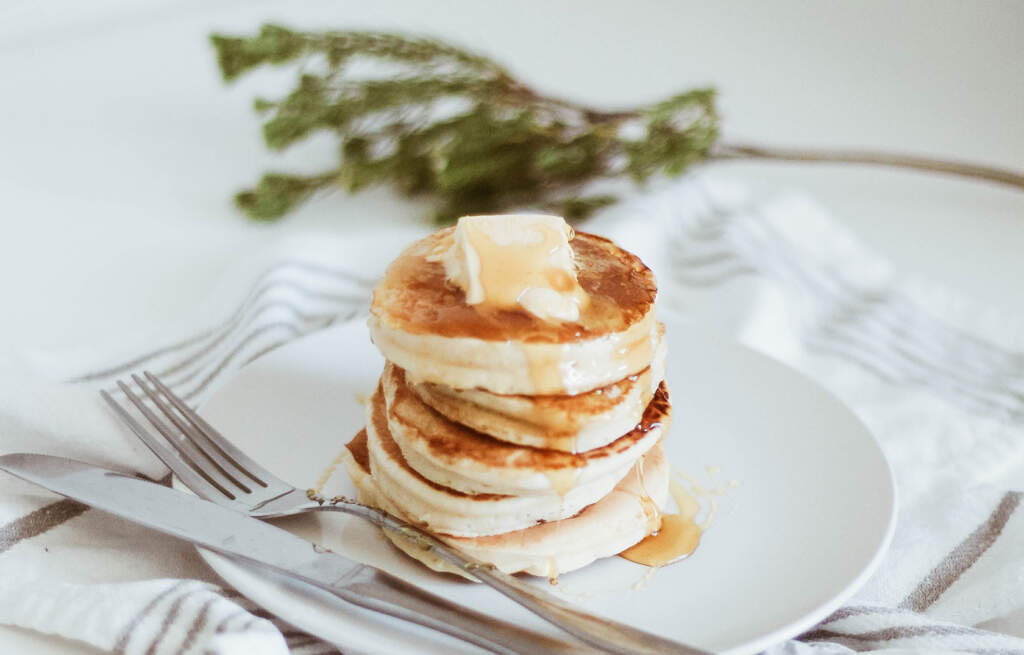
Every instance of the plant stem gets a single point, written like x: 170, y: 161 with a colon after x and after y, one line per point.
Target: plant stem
x: 916, y: 162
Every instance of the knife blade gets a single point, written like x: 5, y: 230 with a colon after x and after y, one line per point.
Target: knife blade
x: 230, y: 533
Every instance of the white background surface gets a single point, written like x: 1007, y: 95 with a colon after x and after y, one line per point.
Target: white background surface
x: 120, y: 147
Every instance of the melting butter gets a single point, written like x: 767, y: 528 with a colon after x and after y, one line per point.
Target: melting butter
x: 515, y: 261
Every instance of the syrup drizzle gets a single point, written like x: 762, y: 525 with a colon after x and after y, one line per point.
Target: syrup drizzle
x: 321, y: 482
x: 563, y: 480
x: 545, y: 368
x: 676, y: 536
x: 552, y: 571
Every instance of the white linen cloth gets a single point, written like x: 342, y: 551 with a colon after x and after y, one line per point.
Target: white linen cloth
x: 939, y: 381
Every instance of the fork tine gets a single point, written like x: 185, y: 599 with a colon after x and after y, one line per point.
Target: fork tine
x: 241, y: 461
x: 171, y: 458
x: 190, y: 433
x: 183, y: 448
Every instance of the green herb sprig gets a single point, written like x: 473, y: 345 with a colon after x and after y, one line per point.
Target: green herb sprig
x: 433, y: 120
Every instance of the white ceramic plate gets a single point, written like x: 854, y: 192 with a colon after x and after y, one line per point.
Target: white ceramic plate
x: 809, y: 520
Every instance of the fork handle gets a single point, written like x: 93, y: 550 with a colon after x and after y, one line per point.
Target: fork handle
x: 382, y: 592
x: 606, y: 635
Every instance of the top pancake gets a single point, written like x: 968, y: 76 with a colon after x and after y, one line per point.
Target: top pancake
x: 415, y: 297
x: 422, y: 323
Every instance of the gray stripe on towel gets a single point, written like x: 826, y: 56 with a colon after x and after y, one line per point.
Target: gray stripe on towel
x: 963, y: 556
x: 39, y: 521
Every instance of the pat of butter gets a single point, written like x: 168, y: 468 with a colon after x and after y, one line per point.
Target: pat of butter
x: 515, y: 261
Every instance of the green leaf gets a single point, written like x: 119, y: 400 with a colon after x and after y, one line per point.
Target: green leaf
x: 273, y: 45
x: 276, y: 194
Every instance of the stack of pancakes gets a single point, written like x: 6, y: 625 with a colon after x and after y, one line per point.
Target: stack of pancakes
x: 533, y: 445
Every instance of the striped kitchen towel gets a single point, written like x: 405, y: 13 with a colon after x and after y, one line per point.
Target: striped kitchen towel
x: 938, y: 380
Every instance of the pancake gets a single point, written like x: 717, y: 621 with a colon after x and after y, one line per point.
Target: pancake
x: 447, y: 511
x: 422, y: 323
x: 568, y: 423
x: 630, y: 512
x: 463, y: 459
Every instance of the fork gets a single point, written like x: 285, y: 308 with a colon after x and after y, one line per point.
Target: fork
x: 218, y: 471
